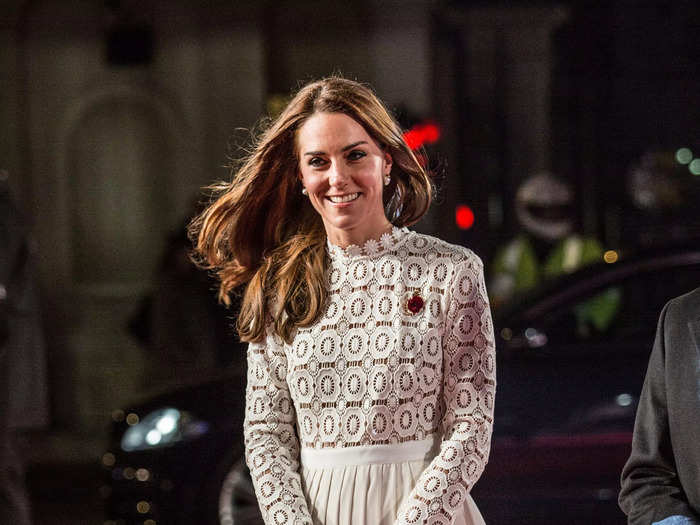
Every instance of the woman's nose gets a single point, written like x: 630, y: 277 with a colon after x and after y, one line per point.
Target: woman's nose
x: 338, y: 175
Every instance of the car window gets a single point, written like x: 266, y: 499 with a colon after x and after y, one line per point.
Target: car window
x: 625, y: 312
x: 579, y: 366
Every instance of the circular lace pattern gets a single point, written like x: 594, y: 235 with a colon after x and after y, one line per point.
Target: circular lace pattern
x: 403, y: 350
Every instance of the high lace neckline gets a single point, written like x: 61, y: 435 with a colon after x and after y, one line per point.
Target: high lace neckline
x: 371, y: 247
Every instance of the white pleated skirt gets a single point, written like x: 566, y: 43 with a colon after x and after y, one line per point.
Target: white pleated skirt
x: 368, y: 484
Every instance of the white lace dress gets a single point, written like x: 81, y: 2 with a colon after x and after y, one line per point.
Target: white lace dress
x: 382, y: 411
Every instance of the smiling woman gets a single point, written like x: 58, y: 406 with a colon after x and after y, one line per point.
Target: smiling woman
x: 260, y: 229
x: 344, y: 171
x: 371, y: 366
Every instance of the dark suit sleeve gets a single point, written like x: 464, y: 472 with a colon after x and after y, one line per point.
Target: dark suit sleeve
x: 651, y: 490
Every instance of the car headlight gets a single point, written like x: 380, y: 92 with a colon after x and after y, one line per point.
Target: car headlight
x: 162, y: 428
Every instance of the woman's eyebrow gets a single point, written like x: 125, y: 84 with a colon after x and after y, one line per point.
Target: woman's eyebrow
x: 349, y: 146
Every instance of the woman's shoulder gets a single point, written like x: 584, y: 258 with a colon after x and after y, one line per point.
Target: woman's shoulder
x: 430, y: 245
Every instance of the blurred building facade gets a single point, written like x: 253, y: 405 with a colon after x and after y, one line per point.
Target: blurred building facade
x: 116, y: 113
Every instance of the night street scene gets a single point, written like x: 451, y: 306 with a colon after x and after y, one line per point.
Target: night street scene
x: 144, y: 140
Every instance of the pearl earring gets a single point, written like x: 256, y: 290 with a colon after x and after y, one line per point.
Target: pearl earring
x: 304, y: 191
x: 387, y: 180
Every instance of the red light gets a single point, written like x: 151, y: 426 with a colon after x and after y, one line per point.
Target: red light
x: 420, y: 134
x: 412, y: 139
x: 431, y: 133
x: 464, y: 216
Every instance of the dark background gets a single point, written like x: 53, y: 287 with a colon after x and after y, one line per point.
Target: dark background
x: 116, y: 113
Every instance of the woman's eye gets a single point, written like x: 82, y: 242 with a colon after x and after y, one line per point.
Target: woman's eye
x: 316, y: 162
x: 356, y: 154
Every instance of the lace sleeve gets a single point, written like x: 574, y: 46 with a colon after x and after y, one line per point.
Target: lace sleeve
x: 271, y: 443
x: 469, y: 386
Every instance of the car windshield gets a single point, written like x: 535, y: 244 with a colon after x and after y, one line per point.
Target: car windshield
x: 574, y: 357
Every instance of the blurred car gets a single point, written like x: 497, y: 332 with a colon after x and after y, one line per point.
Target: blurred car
x: 169, y: 456
x: 568, y: 385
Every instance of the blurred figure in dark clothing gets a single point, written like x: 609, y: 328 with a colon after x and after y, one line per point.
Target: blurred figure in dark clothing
x: 23, y: 400
x: 189, y: 335
x: 661, y: 479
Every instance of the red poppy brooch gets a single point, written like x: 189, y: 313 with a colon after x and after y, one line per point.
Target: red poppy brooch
x: 415, y: 303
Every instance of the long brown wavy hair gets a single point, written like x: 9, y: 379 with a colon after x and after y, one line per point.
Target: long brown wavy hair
x: 260, y: 229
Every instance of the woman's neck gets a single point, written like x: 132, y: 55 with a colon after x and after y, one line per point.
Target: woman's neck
x: 345, y: 238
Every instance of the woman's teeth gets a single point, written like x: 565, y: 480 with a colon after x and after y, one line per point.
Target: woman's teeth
x: 344, y: 198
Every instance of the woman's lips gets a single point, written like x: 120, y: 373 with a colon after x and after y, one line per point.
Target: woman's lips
x: 341, y: 199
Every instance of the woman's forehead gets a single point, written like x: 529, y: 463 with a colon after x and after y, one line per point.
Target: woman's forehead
x: 328, y: 130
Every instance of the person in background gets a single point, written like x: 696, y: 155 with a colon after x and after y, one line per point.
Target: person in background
x: 23, y: 392
x: 371, y: 359
x: 661, y: 479
x: 548, y: 247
